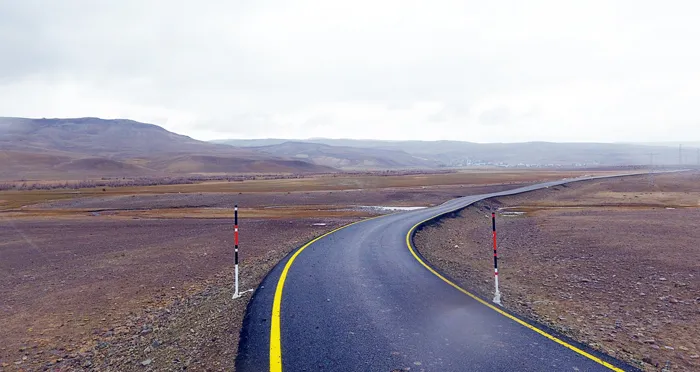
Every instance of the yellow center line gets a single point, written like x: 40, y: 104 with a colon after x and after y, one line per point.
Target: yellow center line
x: 275, y: 331
x: 492, y: 307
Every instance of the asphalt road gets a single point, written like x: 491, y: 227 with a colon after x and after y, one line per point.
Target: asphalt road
x: 359, y: 299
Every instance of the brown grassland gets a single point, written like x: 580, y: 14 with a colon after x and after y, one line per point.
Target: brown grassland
x: 15, y: 199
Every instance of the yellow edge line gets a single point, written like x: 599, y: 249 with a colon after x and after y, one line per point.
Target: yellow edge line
x: 275, y: 332
x: 525, y: 324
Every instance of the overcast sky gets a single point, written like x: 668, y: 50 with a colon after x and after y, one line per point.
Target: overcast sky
x: 483, y: 71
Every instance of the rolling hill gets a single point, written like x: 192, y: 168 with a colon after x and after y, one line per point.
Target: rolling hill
x: 92, y: 147
x: 345, y: 157
x: 98, y: 137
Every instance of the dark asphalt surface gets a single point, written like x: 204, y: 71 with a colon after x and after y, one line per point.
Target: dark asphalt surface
x: 357, y: 300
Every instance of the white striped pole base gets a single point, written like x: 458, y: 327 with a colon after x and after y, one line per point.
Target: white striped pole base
x: 497, y: 294
x: 236, y: 294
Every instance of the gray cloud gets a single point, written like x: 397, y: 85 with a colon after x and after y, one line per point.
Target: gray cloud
x: 452, y: 110
x: 496, y: 116
x: 253, y: 68
x: 438, y: 117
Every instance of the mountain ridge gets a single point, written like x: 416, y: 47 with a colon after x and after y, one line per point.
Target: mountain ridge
x: 450, y: 153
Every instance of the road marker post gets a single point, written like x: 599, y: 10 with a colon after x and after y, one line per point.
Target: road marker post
x: 236, y: 294
x: 497, y: 294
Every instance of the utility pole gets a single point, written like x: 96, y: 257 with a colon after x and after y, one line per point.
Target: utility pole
x: 651, y: 167
x: 651, y: 159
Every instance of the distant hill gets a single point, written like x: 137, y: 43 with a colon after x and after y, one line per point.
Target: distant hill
x: 93, y: 147
x: 98, y: 137
x: 344, y: 157
x: 220, y: 164
x: 459, y: 153
x: 689, y: 144
x: 253, y: 142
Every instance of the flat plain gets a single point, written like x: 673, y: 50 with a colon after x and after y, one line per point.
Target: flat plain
x: 129, y: 278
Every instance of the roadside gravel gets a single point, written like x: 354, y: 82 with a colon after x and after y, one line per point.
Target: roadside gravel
x: 622, y: 278
x: 147, y: 295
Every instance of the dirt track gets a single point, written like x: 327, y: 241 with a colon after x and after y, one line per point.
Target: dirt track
x: 604, y: 262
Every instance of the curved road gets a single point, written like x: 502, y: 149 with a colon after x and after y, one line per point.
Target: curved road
x: 362, y: 299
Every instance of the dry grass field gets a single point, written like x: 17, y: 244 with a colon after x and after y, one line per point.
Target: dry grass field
x: 613, y: 263
x: 329, y: 183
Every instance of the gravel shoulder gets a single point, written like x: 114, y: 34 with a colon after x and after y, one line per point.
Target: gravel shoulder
x: 612, y: 264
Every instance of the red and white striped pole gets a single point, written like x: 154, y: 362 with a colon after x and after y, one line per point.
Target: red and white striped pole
x: 236, y: 294
x: 497, y: 295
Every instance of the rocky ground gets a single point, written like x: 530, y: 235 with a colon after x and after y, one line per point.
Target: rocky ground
x: 132, y: 294
x: 612, y: 264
